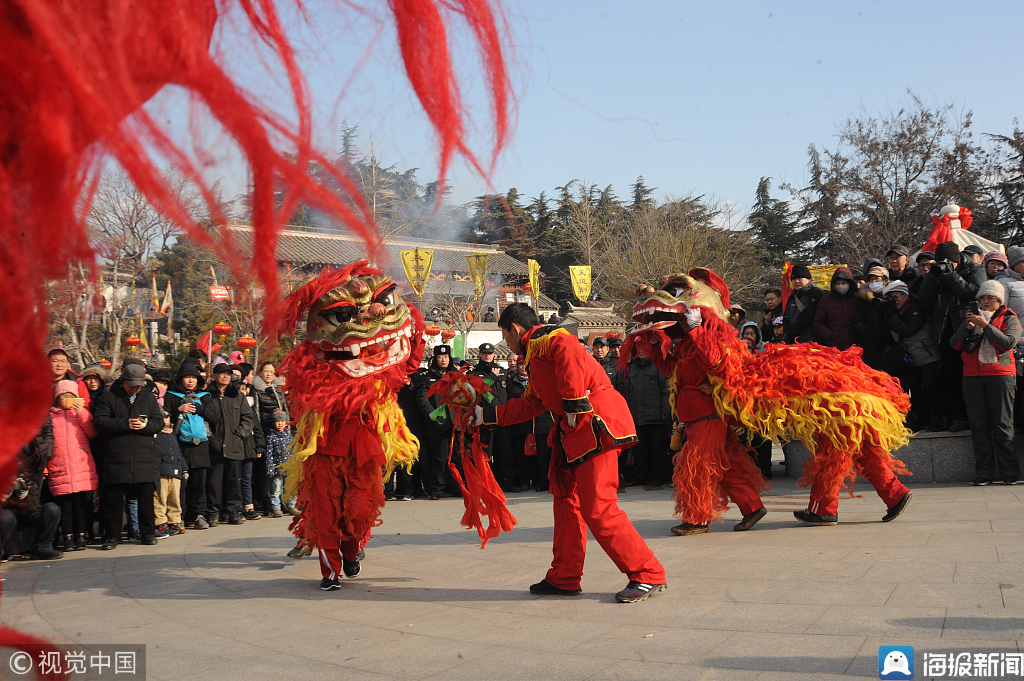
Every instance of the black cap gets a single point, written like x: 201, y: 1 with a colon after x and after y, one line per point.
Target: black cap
x: 974, y: 248
x: 925, y: 255
x: 486, y: 348
x: 134, y: 374
x: 223, y: 368
x: 800, y: 271
x: 899, y: 249
x: 601, y: 340
x: 490, y: 309
x: 615, y: 343
x: 442, y: 350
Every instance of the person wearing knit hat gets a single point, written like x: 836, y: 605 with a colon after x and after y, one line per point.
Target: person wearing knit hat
x: 987, y: 340
x: 995, y: 262
x: 801, y: 306
x: 952, y: 283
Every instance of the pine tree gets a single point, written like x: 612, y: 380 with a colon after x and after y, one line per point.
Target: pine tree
x: 773, y: 224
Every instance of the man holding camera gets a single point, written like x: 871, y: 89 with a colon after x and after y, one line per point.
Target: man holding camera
x: 951, y: 284
x: 128, y: 419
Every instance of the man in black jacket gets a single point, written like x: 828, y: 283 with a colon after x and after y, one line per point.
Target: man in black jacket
x: 899, y: 269
x: 26, y: 524
x: 129, y: 418
x: 497, y: 443
x: 647, y: 393
x: 952, y: 283
x: 798, y: 320
x: 439, y: 434
x: 227, y: 448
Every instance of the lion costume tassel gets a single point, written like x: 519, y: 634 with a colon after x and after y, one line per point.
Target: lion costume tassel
x: 849, y: 415
x: 361, y: 344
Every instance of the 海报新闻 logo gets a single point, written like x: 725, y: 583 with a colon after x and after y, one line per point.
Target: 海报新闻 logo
x: 895, y: 662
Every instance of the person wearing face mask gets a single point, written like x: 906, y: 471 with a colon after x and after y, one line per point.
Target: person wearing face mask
x: 952, y: 283
x: 868, y: 324
x: 833, y: 322
x: 987, y: 339
x: 801, y: 306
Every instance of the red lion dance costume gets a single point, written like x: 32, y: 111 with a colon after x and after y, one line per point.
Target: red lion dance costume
x: 75, y: 77
x: 848, y: 414
x: 361, y: 343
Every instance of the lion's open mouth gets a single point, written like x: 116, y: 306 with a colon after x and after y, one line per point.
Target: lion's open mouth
x: 655, y: 314
x: 360, y: 357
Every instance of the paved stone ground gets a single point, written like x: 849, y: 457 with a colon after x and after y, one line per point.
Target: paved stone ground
x: 783, y: 601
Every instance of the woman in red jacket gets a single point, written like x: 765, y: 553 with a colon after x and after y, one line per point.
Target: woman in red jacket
x: 72, y: 471
x: 986, y: 339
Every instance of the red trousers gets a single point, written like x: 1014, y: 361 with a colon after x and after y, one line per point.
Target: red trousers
x: 586, y: 497
x: 825, y: 488
x: 711, y: 468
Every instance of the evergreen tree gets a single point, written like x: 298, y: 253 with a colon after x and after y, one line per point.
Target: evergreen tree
x: 772, y: 223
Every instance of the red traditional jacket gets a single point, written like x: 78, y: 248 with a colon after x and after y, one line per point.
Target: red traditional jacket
x: 565, y: 379
x: 697, y: 355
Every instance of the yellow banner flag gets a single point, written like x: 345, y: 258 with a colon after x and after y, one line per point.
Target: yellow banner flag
x: 534, y: 268
x: 478, y: 271
x: 417, y: 264
x: 580, y: 275
x: 821, y: 275
x: 143, y: 336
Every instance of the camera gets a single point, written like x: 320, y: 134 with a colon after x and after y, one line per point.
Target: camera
x: 972, y: 343
x: 941, y: 268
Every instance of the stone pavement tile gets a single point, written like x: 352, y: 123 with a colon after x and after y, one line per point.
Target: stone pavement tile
x: 969, y: 595
x: 734, y: 590
x: 1009, y: 552
x: 942, y: 554
x: 866, y: 662
x: 763, y: 617
x: 810, y: 676
x: 841, y: 593
x: 525, y: 665
x: 1009, y: 573
x: 653, y: 643
x: 854, y: 620
x: 553, y: 635
x: 911, y: 571
x: 1007, y: 524
x: 785, y: 652
x: 984, y: 624
x: 822, y: 572
x: 629, y: 670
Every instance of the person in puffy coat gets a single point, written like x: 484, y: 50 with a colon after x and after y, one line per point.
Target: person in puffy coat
x: 1012, y: 280
x: 987, y: 341
x: 72, y: 470
x: 189, y: 381
x: 906, y: 318
x: 833, y: 320
x: 650, y: 405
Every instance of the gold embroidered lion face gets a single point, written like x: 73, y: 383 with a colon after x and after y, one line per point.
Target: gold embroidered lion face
x: 662, y: 308
x: 362, y: 324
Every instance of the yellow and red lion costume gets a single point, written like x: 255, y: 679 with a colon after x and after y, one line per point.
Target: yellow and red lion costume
x: 850, y: 416
x: 362, y: 342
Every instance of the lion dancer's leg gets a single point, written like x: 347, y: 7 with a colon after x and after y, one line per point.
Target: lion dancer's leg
x: 893, y: 493
x: 710, y: 468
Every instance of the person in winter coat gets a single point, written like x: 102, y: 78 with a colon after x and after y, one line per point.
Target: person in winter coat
x: 761, y: 448
x: 650, y: 405
x: 439, y: 434
x: 869, y: 326
x: 994, y: 263
x: 72, y: 470
x: 27, y: 525
x: 987, y: 340
x: 833, y: 320
x: 907, y: 321
x: 899, y: 267
x: 405, y: 484
x: 952, y: 283
x: 269, y: 395
x: 1012, y: 280
x: 278, y: 442
x: 801, y: 306
x: 167, y: 498
x: 924, y: 261
x: 128, y: 418
x: 255, y: 448
x: 227, y: 448
x: 497, y: 443
x: 189, y: 383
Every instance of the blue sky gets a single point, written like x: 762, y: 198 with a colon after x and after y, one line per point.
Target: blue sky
x: 700, y: 98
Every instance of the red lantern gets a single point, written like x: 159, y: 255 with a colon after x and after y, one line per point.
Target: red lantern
x: 447, y: 335
x: 132, y: 342
x: 433, y: 331
x: 105, y: 364
x: 247, y: 343
x: 222, y: 329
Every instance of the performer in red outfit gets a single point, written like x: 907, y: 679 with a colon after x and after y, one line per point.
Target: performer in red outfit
x: 592, y: 423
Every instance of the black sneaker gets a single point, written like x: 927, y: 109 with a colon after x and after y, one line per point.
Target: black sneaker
x: 542, y: 588
x: 1009, y: 481
x: 350, y: 568
x: 638, y: 591
x: 212, y: 521
x: 981, y: 482
x: 109, y: 544
x: 815, y: 519
x: 301, y: 550
x: 46, y: 554
x: 898, y: 508
x: 251, y: 514
x: 236, y: 519
x: 685, y: 529
x: 330, y: 584
x: 750, y: 519
x: 149, y: 540
x: 224, y: 517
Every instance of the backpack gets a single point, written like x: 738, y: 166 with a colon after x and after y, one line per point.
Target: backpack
x: 191, y: 428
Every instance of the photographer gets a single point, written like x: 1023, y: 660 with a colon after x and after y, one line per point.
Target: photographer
x: 952, y: 282
x: 987, y: 338
x: 27, y: 525
x: 907, y: 321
